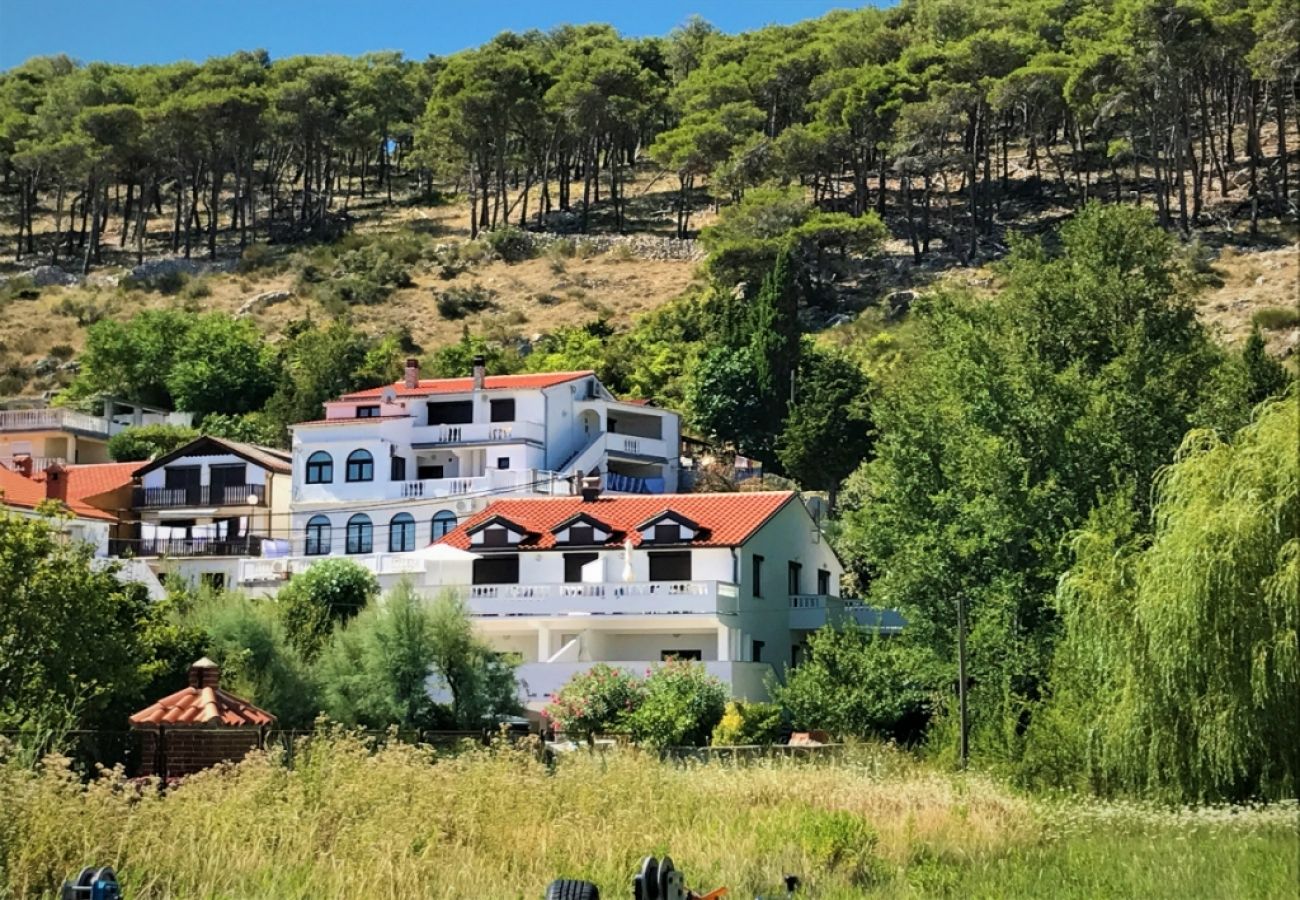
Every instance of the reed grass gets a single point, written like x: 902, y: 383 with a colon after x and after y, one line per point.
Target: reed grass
x: 349, y: 820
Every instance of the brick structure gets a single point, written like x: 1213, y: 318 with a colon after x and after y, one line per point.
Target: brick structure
x: 198, y: 726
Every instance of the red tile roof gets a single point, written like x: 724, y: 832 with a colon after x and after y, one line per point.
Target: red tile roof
x: 203, y: 703
x: 725, y: 520
x: 96, y: 478
x: 27, y: 493
x: 534, y: 381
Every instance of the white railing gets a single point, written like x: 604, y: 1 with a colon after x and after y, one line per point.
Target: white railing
x: 637, y: 598
x: 267, y: 569
x: 635, y: 445
x: 482, y: 433
x: 58, y: 419
x: 538, y: 681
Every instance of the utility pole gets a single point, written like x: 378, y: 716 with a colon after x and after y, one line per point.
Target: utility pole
x: 963, y: 746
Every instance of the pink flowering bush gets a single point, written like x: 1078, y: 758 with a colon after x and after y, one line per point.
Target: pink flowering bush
x: 596, y: 701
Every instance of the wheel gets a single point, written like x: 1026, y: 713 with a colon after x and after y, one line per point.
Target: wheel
x: 645, y: 886
x: 571, y: 889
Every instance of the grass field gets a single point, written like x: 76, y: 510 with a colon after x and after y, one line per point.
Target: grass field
x: 345, y: 822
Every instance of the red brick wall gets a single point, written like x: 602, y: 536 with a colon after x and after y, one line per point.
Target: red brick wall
x: 189, y: 750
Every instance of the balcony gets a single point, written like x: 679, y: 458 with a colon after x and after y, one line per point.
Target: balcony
x: 482, y: 433
x: 53, y: 419
x: 199, y: 495
x: 272, y: 569
x: 540, y: 680
x: 808, y: 612
x: 644, y: 598
x: 635, y: 446
x: 249, y: 545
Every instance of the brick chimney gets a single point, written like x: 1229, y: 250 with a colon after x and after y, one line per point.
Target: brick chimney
x: 412, y: 378
x: 204, y: 673
x: 56, y: 483
x: 480, y: 372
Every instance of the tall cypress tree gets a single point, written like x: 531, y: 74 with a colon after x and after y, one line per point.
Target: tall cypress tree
x: 774, y: 346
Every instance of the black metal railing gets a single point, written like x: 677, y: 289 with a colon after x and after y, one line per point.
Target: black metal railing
x: 200, y: 495
x: 249, y: 545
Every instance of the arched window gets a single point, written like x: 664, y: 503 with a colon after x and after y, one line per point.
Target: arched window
x: 318, y: 536
x: 361, y: 534
x: 320, y: 468
x: 401, y: 533
x: 361, y: 466
x: 443, y: 522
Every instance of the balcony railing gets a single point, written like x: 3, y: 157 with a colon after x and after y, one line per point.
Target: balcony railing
x: 271, y: 569
x: 635, y: 445
x: 250, y: 545
x: 199, y: 495
x: 480, y: 433
x: 812, y: 611
x: 51, y: 419
x: 643, y: 598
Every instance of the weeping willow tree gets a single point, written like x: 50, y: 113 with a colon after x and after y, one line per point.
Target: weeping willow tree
x: 1179, y: 675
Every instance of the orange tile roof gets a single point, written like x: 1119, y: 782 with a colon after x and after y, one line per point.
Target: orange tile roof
x: 19, y: 490
x: 532, y: 381
x: 27, y: 493
x: 97, y: 478
x: 202, y: 706
x: 725, y: 520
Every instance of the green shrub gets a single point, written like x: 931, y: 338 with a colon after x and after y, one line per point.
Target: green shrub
x: 683, y: 704
x: 197, y: 289
x: 857, y: 684
x: 459, y: 302
x: 1277, y: 318
x: 62, y: 351
x: 331, y: 591
x: 148, y: 441
x: 257, y: 257
x: 745, y: 724
x: 596, y: 701
x: 561, y: 248
x: 511, y: 244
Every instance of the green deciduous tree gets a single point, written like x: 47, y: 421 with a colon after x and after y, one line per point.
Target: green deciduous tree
x: 149, y: 441
x: 856, y: 683
x: 329, y: 593
x: 72, y: 636
x: 1179, y: 672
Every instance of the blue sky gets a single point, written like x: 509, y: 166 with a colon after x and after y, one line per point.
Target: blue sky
x: 134, y: 31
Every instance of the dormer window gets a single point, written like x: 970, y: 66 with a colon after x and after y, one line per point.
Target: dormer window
x: 668, y: 528
x: 497, y: 532
x: 582, y: 529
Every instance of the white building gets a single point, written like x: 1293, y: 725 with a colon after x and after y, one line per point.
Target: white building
x: 736, y: 581
x: 391, y: 469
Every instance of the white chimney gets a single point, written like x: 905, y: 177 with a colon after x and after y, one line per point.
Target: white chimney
x: 412, y: 373
x: 480, y: 373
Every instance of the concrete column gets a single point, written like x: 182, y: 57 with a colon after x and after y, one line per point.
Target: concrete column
x: 543, y: 643
x: 724, y: 643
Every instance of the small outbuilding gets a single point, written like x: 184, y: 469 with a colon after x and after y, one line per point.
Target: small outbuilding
x: 198, y: 726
